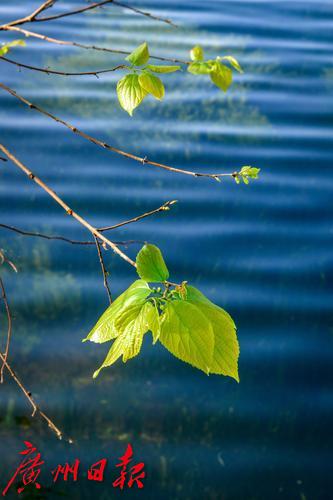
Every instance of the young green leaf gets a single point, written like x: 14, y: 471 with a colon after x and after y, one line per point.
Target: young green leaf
x: 153, y: 321
x: 234, y: 63
x: 197, y: 53
x: 129, y: 342
x: 114, y: 353
x: 150, y: 264
x: 200, y: 68
x: 5, y: 48
x: 130, y: 93
x: 152, y: 84
x: 163, y: 69
x: 226, y: 347
x: 105, y: 328
x: 187, y: 334
x: 221, y: 76
x: 139, y: 56
x: 250, y: 172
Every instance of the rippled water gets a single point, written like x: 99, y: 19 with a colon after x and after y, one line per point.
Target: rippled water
x: 264, y: 251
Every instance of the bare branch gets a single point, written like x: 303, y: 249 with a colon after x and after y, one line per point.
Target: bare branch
x: 34, y: 16
x: 9, y: 327
x: 61, y: 238
x: 164, y: 207
x: 104, y: 271
x: 100, y: 4
x: 64, y: 205
x: 62, y: 73
x: 105, y: 145
x: 35, y: 407
x: 57, y: 41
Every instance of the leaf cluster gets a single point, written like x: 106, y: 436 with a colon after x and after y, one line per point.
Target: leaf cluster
x: 220, y: 74
x: 180, y: 317
x: 142, y: 79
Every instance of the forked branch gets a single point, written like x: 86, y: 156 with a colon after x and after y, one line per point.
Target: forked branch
x: 105, y: 145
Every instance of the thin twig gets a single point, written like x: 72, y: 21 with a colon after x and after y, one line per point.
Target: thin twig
x: 58, y: 41
x: 35, y: 406
x: 100, y: 4
x: 62, y: 238
x: 104, y: 271
x: 3, y: 259
x: 31, y: 17
x: 105, y: 145
x: 9, y: 327
x: 64, y: 205
x: 164, y: 207
x: 49, y: 71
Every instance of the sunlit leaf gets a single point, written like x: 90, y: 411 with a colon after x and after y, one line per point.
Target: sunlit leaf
x: 140, y: 55
x: 129, y: 342
x: 221, y: 76
x: 234, y: 63
x: 197, y: 53
x: 226, y: 347
x: 200, y: 68
x: 5, y: 48
x: 187, y: 334
x: 105, y: 328
x: 163, y: 69
x: 150, y: 264
x: 130, y: 93
x: 153, y: 321
x: 152, y: 84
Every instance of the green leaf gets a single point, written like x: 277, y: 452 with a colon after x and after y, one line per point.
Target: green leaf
x: 5, y: 48
x: 221, y: 76
x: 200, y: 68
x: 105, y: 328
x: 129, y: 342
x: 163, y: 69
x: 152, y: 84
x: 153, y: 321
x: 187, y: 334
x: 150, y: 264
x: 226, y: 347
x: 130, y: 93
x: 251, y: 172
x: 140, y: 55
x: 197, y: 53
x: 234, y: 63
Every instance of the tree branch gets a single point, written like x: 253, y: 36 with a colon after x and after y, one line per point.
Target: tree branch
x: 166, y: 206
x: 31, y: 17
x: 35, y: 407
x: 105, y: 145
x: 34, y: 16
x: 104, y: 271
x: 57, y: 41
x: 9, y: 328
x: 62, y: 238
x: 62, y: 73
x: 100, y: 4
x: 64, y: 205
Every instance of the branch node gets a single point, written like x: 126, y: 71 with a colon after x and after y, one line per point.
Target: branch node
x: 69, y: 211
x: 144, y: 160
x: 31, y: 176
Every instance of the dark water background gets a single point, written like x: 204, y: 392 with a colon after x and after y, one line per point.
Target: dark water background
x: 264, y: 251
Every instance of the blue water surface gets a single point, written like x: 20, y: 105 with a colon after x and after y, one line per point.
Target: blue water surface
x: 263, y: 251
